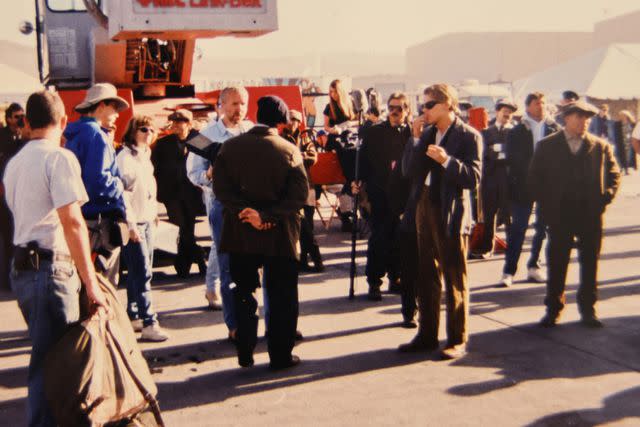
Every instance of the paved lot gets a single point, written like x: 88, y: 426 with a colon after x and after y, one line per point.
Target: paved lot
x: 515, y: 374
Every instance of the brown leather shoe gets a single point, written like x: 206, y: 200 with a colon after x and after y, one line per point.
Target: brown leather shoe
x: 417, y: 345
x: 453, y: 352
x: 548, y: 321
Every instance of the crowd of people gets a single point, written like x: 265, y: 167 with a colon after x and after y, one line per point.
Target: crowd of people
x: 71, y: 213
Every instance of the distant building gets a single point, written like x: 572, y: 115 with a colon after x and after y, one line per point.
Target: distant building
x: 499, y: 55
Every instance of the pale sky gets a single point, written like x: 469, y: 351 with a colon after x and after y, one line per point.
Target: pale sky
x: 386, y: 26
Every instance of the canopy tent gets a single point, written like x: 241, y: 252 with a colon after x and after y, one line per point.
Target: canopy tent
x: 611, y: 72
x: 15, y: 85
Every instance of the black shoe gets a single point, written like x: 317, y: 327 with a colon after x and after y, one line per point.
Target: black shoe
x: 245, y: 359
x: 418, y: 345
x: 318, y: 265
x: 299, y: 336
x: 395, y: 286
x: 548, y: 321
x: 591, y: 322
x: 374, y: 294
x: 409, y: 324
x: 277, y: 366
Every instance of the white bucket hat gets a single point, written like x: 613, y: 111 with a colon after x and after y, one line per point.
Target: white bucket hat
x: 102, y: 92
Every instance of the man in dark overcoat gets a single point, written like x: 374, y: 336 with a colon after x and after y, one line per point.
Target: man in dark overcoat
x: 260, y: 179
x: 573, y: 176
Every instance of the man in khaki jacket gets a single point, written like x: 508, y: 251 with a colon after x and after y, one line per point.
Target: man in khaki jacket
x: 573, y: 176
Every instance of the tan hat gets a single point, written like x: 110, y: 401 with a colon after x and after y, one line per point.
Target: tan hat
x: 181, y: 115
x: 101, y: 92
x: 579, y: 107
x: 295, y: 115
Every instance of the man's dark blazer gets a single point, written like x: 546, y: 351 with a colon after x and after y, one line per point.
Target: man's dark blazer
x: 170, y: 170
x: 519, y: 152
x: 464, y: 146
x: 263, y: 171
x: 549, y: 174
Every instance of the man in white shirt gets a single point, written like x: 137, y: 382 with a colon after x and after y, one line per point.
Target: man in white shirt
x: 233, y: 109
x: 44, y: 192
x: 521, y: 144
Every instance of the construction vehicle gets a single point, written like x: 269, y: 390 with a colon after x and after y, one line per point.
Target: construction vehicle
x: 146, y: 48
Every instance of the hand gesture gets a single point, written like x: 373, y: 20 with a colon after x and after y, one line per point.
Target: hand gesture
x: 417, y: 127
x: 437, y: 153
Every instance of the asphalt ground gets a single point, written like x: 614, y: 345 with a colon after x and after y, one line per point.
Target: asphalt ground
x: 515, y: 374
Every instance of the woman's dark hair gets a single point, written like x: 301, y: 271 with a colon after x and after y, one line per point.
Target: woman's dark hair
x: 136, y: 122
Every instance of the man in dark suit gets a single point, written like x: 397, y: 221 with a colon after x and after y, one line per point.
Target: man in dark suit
x: 182, y: 199
x: 381, y: 151
x: 444, y: 168
x: 494, y: 190
x: 573, y: 177
x: 521, y: 144
x: 260, y: 179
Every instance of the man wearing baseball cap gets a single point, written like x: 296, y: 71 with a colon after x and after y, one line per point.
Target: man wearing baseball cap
x: 88, y: 139
x: 494, y: 186
x: 573, y: 176
x: 181, y: 198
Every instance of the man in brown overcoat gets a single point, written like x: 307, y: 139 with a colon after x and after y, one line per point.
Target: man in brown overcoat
x: 260, y: 179
x: 573, y: 176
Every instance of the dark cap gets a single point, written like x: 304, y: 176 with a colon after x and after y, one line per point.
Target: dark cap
x: 579, y: 107
x: 272, y: 111
x: 569, y: 95
x: 181, y: 115
x: 504, y: 102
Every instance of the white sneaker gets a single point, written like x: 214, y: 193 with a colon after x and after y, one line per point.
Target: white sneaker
x: 535, y: 275
x: 154, y: 333
x: 506, y: 281
x: 137, y: 325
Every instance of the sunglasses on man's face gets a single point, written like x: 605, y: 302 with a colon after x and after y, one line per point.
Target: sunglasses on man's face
x: 395, y: 108
x: 145, y: 129
x: 429, y: 105
x: 18, y: 116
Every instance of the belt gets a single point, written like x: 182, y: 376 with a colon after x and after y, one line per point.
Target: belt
x: 44, y: 254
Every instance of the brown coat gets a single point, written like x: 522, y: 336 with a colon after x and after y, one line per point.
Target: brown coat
x: 263, y: 171
x: 548, y: 173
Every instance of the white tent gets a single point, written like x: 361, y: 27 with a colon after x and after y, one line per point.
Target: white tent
x: 611, y: 72
x: 16, y: 85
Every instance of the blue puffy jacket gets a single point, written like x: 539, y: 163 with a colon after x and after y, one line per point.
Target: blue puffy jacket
x: 97, y: 159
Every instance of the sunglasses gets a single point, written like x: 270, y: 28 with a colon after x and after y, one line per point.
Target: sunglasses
x: 395, y: 108
x: 429, y: 105
x: 145, y: 129
x: 18, y: 116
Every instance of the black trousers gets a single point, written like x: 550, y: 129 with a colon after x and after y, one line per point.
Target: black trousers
x: 308, y: 243
x: 495, y: 201
x: 6, y: 245
x: 382, y: 251
x: 409, y: 273
x: 561, y: 237
x: 182, y: 214
x: 281, y: 282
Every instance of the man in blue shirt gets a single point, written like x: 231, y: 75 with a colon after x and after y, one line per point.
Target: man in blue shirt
x: 87, y: 138
x: 233, y: 110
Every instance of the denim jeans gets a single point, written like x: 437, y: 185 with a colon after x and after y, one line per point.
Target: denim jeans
x: 139, y: 259
x: 228, y: 307
x: 212, y: 279
x: 50, y: 303
x: 520, y: 214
